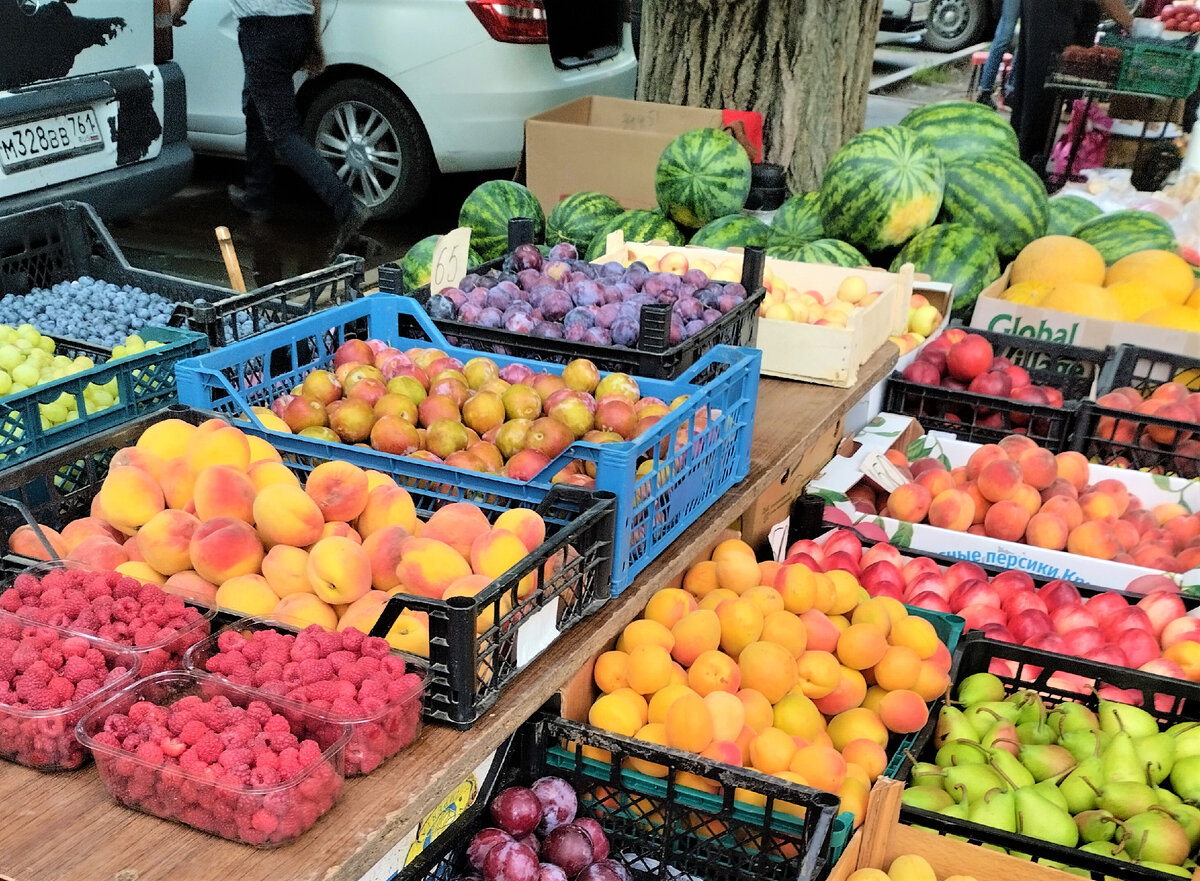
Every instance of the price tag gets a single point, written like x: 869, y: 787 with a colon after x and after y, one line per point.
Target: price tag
x: 449, y: 263
x: 883, y: 472
x: 614, y: 243
x: 536, y: 632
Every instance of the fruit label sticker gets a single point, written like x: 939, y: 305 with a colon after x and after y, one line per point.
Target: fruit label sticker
x: 538, y: 631
x: 883, y: 472
x: 449, y: 262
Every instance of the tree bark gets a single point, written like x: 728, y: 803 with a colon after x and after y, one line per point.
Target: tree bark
x: 805, y: 65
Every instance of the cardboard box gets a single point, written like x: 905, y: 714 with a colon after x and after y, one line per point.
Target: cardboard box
x: 1001, y: 316
x: 890, y: 431
x: 610, y: 145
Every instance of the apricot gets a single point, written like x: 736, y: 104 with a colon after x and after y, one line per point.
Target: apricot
x: 769, y: 668
x: 898, y: 669
x: 822, y: 766
x: 737, y: 572
x: 701, y: 579
x: 868, y: 755
x: 714, y: 598
x: 612, y: 712
x: 248, y: 593
x: 526, y: 524
x: 216, y: 443
x: 767, y: 570
x: 427, y: 567
x: 727, y: 714
x: 817, y: 673
x: 714, y: 671
x: 387, y: 506
x: 741, y: 624
x: 164, y: 542
x: 1093, y: 538
x: 656, y: 733
x: 861, y: 646
x: 1006, y: 520
x: 798, y: 716
x: 848, y: 694
x: 695, y: 633
x: 911, y: 502
x: 787, y: 630
x: 649, y: 669
x: 95, y: 551
x: 823, y: 634
x: 903, y: 711
x: 846, y: 591
x: 756, y: 709
x: 339, y: 489
x: 732, y: 547
x: 917, y: 634
x: 1073, y: 467
x: 932, y: 681
x: 953, y: 509
x: 873, y: 611
x: 304, y: 609
x: 643, y: 631
x: 167, y: 439
x: 224, y: 548
x: 857, y: 723
x: 669, y: 605
x: 130, y: 497
x: 689, y: 724
x: 286, y: 570
x: 611, y: 672
x: 772, y: 751
x: 798, y: 587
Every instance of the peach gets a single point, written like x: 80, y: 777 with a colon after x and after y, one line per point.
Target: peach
x: 216, y: 443
x: 903, y: 711
x: 1187, y: 655
x: 409, y: 632
x: 911, y: 502
x: 772, y: 751
x: 224, y: 491
x: 1068, y: 510
x: 785, y: 629
x: 644, y: 631
x: 669, y: 605
x: 337, y: 529
x: 261, y: 451
x: 191, y: 586
x: 1038, y: 467
x: 526, y: 524
x: 167, y: 438
x: 817, y: 673
x: 1014, y: 445
x: 28, y: 543
x: 1073, y: 467
x: 137, y: 458
x: 339, y: 489
x: 797, y: 586
x: 769, y: 668
x: 1028, y: 497
x: 249, y: 594
x: 714, y: 671
x: 142, y: 571
x: 131, y: 548
x: 756, y: 709
x: 286, y: 515
x: 1098, y: 506
x: 953, y: 509
x: 848, y: 694
x: 1006, y: 520
x: 266, y: 473
x: 857, y: 723
x: 339, y: 570
x: 999, y: 480
x: 798, y: 716
x: 649, y: 669
x: 77, y: 530
x: 981, y: 504
x: 387, y: 506
x: 130, y: 496
x: 937, y: 481
x: 741, y: 624
x: 1165, y: 513
x: 427, y: 567
x: 984, y: 456
x: 377, y: 479
x: 689, y: 724
x: 224, y: 548
x: 286, y: 570
x: 1093, y: 538
x: 165, y: 540
x: 611, y: 672
x: 383, y: 547
x: 95, y: 552
x: 498, y: 551
x: 458, y: 524
x: 304, y: 609
x: 492, y: 613
x: 178, y: 482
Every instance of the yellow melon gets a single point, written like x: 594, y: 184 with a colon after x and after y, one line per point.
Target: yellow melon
x: 1168, y: 272
x: 1056, y: 260
x: 1027, y: 293
x: 1090, y: 300
x: 1193, y: 300
x: 1137, y: 298
x: 1174, y: 317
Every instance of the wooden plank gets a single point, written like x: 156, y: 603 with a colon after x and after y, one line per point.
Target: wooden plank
x: 65, y: 827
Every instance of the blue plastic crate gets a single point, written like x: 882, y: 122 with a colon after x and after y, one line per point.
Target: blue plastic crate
x: 145, y: 382
x: 663, y: 480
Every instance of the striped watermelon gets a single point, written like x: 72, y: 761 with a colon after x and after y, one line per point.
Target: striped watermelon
x: 831, y: 251
x: 1121, y: 233
x: 577, y: 218
x: 639, y: 225
x: 732, y: 231
x: 962, y: 129
x: 702, y: 175
x: 1068, y: 213
x: 957, y: 254
x: 1000, y: 195
x: 417, y: 262
x: 489, y: 208
x: 881, y: 188
x: 796, y: 223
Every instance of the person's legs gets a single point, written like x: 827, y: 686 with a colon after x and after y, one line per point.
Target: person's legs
x: 1001, y: 41
x: 1045, y: 31
x: 260, y: 158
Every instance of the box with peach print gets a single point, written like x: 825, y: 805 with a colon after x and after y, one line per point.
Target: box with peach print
x: 1014, y: 504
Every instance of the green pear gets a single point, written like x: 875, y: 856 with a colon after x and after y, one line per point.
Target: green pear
x: 970, y: 782
x: 1063, y: 867
x: 1082, y: 786
x: 1166, y: 798
x: 1014, y: 773
x: 1046, y: 761
x: 1185, y: 778
x: 980, y: 687
x: 1048, y: 790
x: 1096, y: 825
x: 1166, y: 868
x: 927, y: 798
x: 1072, y: 716
x: 1043, y: 819
x: 1106, y: 849
x: 1121, y: 762
x: 1157, y: 754
x: 997, y: 809
x: 953, y: 725
x: 926, y: 774
x: 1187, y: 739
x: 1030, y: 706
x: 1035, y: 733
x: 1083, y: 744
x: 1134, y: 721
x: 961, y: 752
x: 1004, y: 736
x: 985, y: 717
x: 1187, y: 817
x: 957, y: 811
x: 1155, y: 836
x: 1123, y: 800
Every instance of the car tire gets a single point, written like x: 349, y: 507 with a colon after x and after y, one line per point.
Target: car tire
x: 956, y: 24
x: 391, y: 173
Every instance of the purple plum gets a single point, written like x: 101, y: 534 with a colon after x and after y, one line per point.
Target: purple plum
x: 551, y: 872
x: 556, y: 306
x: 711, y: 315
x: 498, y: 299
x: 490, y: 317
x: 527, y: 257
x: 568, y: 847
x: 688, y: 308
x: 517, y: 810
x: 583, y: 315
x: 625, y: 289
x: 596, y: 833
x: 527, y: 278
x: 611, y: 293
x: 549, y: 331
x: 478, y: 296
x: 612, y: 269
x: 440, y: 307
x: 676, y: 335
x: 735, y: 289
x: 564, y: 251
x: 486, y: 281
x: 709, y: 297
x: 597, y: 336
x: 727, y: 302
x: 687, y: 290
x: 469, y: 283
x: 511, y: 288
x: 518, y: 306
x: 469, y: 313
x: 636, y: 274
x: 556, y: 269
x: 559, y: 802
x: 519, y: 322
x: 574, y: 333
x: 607, y: 314
x: 586, y: 293
x: 693, y: 327
x: 455, y: 296
x: 655, y: 286
x: 483, y: 841
x: 510, y: 861
x: 695, y: 277
x: 604, y: 870
x: 625, y: 332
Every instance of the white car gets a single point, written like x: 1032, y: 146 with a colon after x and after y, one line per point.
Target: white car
x: 414, y: 87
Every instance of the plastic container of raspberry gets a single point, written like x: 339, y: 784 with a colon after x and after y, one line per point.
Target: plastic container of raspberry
x: 263, y: 816
x: 157, y: 655
x: 45, y: 739
x: 374, y: 736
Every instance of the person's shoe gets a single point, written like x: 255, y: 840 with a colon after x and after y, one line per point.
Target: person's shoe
x: 237, y: 198
x: 985, y: 98
x: 348, y: 231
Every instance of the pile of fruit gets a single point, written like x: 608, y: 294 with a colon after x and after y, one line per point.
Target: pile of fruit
x: 906, y: 867
x: 1171, y: 400
x: 87, y: 309
x: 113, y: 607
x: 767, y: 667
x: 1018, y: 491
x: 217, y: 766
x: 924, y: 319
x: 348, y: 676
x: 1180, y: 16
x: 1109, y: 782
x: 212, y: 513
x: 44, y: 669
x: 538, y: 837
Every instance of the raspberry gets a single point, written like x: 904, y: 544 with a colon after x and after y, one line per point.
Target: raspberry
x: 147, y: 634
x: 393, y: 666
x: 253, y: 650
x: 41, y: 699
x: 305, y: 651
x: 126, y: 608
x: 322, y: 691
x: 375, y: 647
x: 97, y: 589
x: 316, y: 670
x: 193, y: 731
x: 281, y: 741
x: 352, y: 639
x: 39, y: 673
x: 346, y: 708
x: 150, y: 752
x: 352, y: 674
x: 341, y: 658
x: 310, y: 751
x: 230, y: 641
x: 85, y: 687
x: 53, y: 658
x: 208, y: 748
x: 259, y: 712
x: 95, y: 657
x: 289, y: 763
x: 127, y: 588
x: 277, y: 723
x: 329, y: 642
x: 150, y: 595
x: 73, y: 647
x: 264, y: 777
x: 10, y: 601
x: 270, y: 671
x: 63, y: 691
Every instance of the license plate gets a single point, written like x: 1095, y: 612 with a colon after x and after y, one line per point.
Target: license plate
x: 49, y: 140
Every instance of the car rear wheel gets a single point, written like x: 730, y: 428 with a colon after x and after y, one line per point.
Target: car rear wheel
x: 375, y: 142
x: 956, y: 24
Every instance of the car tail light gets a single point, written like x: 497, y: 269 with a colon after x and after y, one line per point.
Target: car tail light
x: 164, y: 32
x: 512, y: 21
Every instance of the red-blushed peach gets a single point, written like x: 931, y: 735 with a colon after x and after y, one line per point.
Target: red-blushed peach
x: 264, y: 474
x: 137, y: 457
x: 339, y: 570
x: 1006, y: 520
x: 1038, y: 467
x: 1047, y: 531
x: 261, y: 450
x: 982, y: 457
x: 177, y: 482
x: 77, y: 530
x: 378, y: 478
x: 491, y: 614
x: 1073, y: 467
x: 302, y: 609
x: 98, y: 552
x: 224, y: 491
x: 383, y: 547
x: 339, y: 489
x: 26, y: 542
x: 249, y: 594
x: 387, y: 506
x: 216, y: 443
x: 338, y: 529
x: 190, y: 585
x: 129, y: 497
x: 526, y: 524
x: 496, y: 552
x: 903, y: 711
x: 1093, y: 538
x: 286, y: 570
x: 225, y: 548
x: 131, y: 548
x: 999, y: 480
x: 167, y: 438
x: 1066, y: 509
x: 953, y: 509
x: 1014, y: 445
x: 143, y: 572
x: 284, y: 514
x: 427, y: 567
x: 457, y: 524
x: 165, y: 541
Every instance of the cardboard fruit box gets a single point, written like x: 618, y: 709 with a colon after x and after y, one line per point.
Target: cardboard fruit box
x: 889, y: 431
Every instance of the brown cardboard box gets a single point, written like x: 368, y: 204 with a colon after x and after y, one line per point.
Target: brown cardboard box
x: 610, y: 145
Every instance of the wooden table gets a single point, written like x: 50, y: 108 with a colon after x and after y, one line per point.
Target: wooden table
x: 65, y: 827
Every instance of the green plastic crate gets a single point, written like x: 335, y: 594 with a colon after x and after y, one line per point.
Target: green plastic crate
x: 1156, y: 67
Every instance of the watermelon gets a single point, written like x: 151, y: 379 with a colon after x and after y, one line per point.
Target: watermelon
x: 962, y: 129
x: 881, y: 188
x: 489, y: 208
x: 639, y: 225
x: 417, y: 262
x: 577, y: 218
x: 1068, y: 213
x: 1121, y: 233
x: 732, y: 231
x: 997, y: 194
x: 957, y: 254
x: 831, y: 251
x: 796, y: 223
x: 703, y: 174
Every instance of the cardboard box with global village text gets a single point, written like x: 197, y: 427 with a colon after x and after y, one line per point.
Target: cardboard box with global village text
x: 890, y: 431
x: 1001, y: 316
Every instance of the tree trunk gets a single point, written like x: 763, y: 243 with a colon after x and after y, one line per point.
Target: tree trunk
x: 804, y: 65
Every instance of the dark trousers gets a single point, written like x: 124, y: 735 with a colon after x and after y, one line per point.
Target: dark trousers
x: 273, y: 49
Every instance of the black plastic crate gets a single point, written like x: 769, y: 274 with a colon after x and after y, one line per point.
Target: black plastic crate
x: 571, y: 569
x: 654, y: 829
x: 66, y: 240
x: 654, y: 356
x: 1147, y: 369
x: 1169, y: 700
